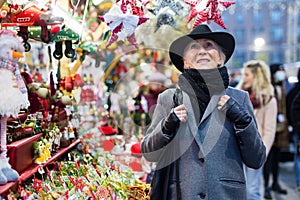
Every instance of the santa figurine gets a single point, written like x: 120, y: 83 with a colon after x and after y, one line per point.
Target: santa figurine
x: 13, y: 94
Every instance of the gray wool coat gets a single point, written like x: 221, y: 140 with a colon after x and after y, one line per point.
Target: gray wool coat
x: 210, y: 155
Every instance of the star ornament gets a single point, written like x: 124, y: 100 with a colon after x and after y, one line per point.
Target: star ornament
x: 122, y: 25
x: 165, y: 17
x: 175, y: 5
x: 136, y: 6
x: 207, y: 10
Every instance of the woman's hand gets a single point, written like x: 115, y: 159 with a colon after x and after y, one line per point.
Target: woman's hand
x: 234, y: 111
x: 222, y: 101
x: 181, y: 112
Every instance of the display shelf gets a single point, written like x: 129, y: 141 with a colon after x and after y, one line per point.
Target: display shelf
x: 24, y: 140
x: 22, y: 117
x: 20, y: 152
x: 27, y: 173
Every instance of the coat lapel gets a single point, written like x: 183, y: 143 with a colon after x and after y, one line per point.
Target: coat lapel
x: 214, y: 126
x: 192, y: 124
x: 211, y: 106
x: 212, y: 130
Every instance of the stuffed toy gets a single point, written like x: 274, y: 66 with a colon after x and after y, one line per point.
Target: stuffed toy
x: 35, y: 93
x: 54, y: 104
x: 13, y: 94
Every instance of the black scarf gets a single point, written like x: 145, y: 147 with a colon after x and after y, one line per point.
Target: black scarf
x: 201, y: 84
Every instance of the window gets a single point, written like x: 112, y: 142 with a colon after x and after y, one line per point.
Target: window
x: 238, y: 59
x: 276, y: 34
x: 298, y: 33
x: 276, y: 56
x: 257, y: 17
x: 298, y: 54
x: 240, y: 35
x: 257, y: 30
x: 239, y: 18
x: 275, y: 16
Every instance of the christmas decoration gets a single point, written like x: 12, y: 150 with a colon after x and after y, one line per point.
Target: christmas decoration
x: 136, y: 6
x: 122, y: 24
x: 13, y: 95
x: 175, y: 6
x: 35, y: 92
x: 207, y: 10
x: 14, y: 12
x: 85, y: 176
x: 165, y: 17
x: 165, y: 11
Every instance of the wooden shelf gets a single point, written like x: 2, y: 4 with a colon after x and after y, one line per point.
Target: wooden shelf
x: 27, y: 173
x: 22, y: 117
x: 20, y: 152
x: 24, y: 140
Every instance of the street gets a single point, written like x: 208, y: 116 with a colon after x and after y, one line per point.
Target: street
x: 287, y: 181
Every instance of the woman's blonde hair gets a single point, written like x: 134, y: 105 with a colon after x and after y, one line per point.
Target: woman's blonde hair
x: 261, y: 86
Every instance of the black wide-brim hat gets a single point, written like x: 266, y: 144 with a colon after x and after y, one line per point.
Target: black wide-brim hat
x: 223, y: 39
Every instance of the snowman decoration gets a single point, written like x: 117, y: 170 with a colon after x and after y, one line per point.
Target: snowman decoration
x: 13, y: 94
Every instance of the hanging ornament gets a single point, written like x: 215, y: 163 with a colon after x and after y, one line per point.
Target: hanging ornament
x: 175, y: 5
x: 136, y: 7
x: 122, y: 25
x: 41, y: 4
x: 166, y: 11
x: 132, y: 40
x: 165, y: 17
x: 207, y: 10
x: 74, y: 5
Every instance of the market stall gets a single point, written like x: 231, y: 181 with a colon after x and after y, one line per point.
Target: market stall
x: 86, y: 69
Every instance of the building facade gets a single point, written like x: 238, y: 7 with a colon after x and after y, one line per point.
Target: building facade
x: 264, y: 29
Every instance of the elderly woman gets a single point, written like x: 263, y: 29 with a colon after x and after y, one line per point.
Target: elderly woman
x: 203, y: 132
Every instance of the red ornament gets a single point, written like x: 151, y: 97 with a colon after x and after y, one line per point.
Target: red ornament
x: 207, y: 10
x: 122, y: 24
x: 136, y: 6
x: 108, y: 145
x: 135, y: 166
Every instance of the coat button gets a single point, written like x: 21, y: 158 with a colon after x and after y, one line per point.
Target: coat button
x: 201, y: 160
x: 202, y: 195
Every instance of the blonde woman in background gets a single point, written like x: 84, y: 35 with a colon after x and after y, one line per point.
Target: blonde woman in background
x: 281, y: 141
x: 256, y: 80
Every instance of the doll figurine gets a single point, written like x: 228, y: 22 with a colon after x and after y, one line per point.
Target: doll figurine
x: 13, y: 94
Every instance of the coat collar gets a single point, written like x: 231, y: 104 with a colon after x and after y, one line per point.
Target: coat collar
x: 207, y: 140
x: 210, y: 107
